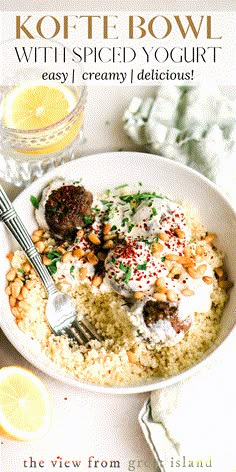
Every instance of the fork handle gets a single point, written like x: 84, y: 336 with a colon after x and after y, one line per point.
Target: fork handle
x: 9, y: 216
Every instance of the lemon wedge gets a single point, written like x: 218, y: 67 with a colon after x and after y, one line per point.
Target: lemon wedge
x: 35, y: 105
x: 25, y: 405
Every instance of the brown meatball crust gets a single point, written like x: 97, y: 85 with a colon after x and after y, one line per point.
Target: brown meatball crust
x: 154, y: 311
x: 66, y: 208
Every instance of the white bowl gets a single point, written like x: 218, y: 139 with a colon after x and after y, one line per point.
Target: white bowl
x: 157, y: 174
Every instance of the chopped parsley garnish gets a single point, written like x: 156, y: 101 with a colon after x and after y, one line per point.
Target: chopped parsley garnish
x: 72, y: 269
x: 127, y: 270
x: 124, y: 221
x: 154, y: 212
x: 55, y: 257
x: 128, y: 275
x: 139, y: 197
x: 130, y: 227
x: 114, y: 228
x: 34, y: 201
x: 88, y: 220
x: 112, y: 261
x: 77, y: 182
x: 21, y: 271
x: 142, y: 266
x: 121, y: 186
x: 122, y: 266
x: 163, y: 259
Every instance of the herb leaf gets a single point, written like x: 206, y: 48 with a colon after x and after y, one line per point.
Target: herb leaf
x: 72, y: 271
x: 142, y: 266
x: 55, y: 257
x: 35, y: 202
x: 128, y: 275
x: 88, y: 220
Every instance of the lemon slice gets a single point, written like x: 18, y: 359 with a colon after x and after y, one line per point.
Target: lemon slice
x: 35, y: 105
x: 25, y: 406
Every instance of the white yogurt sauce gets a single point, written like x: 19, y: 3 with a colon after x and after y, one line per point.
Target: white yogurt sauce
x: 130, y: 266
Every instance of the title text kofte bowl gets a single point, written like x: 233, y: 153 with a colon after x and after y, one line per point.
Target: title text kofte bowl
x: 102, y: 171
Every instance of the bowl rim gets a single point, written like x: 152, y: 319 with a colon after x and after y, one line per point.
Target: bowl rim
x: 153, y: 384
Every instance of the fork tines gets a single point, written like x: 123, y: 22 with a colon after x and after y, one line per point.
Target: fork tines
x: 83, y: 332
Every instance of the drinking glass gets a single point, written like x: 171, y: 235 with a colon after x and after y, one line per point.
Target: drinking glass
x: 25, y: 154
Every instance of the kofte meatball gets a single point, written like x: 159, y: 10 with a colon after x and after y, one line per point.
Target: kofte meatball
x: 66, y: 209
x: 154, y: 312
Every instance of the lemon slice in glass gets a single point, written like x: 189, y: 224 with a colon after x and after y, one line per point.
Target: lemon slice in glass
x: 35, y: 105
x: 25, y: 405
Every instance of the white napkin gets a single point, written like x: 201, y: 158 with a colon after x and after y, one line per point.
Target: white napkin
x: 191, y: 425
x: 192, y: 125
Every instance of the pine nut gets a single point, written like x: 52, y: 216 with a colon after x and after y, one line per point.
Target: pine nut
x: 187, y: 251
x: 162, y: 289
x: 67, y: 256
x: 219, y: 272
x: 106, y: 228
x: 46, y: 261
x: 207, y: 279
x: 35, y: 238
x: 16, y: 288
x: 78, y: 253
x: 24, y: 292
x: 131, y: 357
x: 163, y: 237
x: 172, y: 257
x: 29, y: 284
x: 94, y: 238
x: 15, y: 311
x: 11, y: 275
x: 179, y: 233
x: 177, y: 270
x: 97, y: 280
x: 40, y: 246
x: 24, y: 305
x: 108, y: 244
x: 109, y: 236
x: 61, y: 250
x: 12, y: 301
x: 138, y: 295
x: 202, y: 269
x: 157, y: 248
x: 92, y: 258
x: 210, y: 238
x: 83, y: 273
x: 226, y: 284
x: 26, y: 267
x: 38, y: 232
x: 160, y: 282
x: 20, y: 297
x: 172, y: 296
x: 80, y: 233
x: 185, y: 261
x: 199, y: 251
x: 193, y: 273
x: 160, y: 297
x: 187, y: 292
x: 8, y: 290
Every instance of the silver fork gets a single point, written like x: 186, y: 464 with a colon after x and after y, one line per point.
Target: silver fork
x: 61, y: 309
